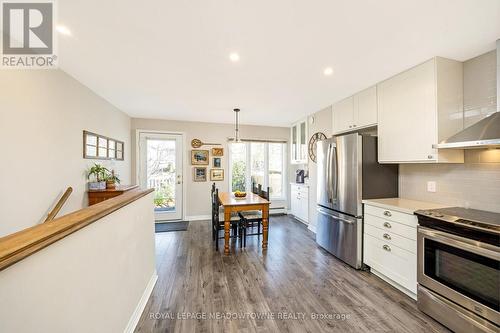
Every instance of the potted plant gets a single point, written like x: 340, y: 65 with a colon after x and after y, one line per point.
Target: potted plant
x: 98, y: 175
x: 112, y: 180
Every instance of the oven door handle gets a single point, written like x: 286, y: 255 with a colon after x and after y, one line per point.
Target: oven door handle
x: 480, y: 248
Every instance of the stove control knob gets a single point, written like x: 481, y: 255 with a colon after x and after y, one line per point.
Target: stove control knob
x: 439, y: 215
x: 429, y: 213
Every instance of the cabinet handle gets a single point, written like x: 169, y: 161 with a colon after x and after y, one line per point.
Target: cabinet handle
x: 350, y: 126
x: 430, y: 157
x: 387, y: 236
x: 387, y: 213
x: 353, y: 125
x: 387, y: 225
x: 387, y: 248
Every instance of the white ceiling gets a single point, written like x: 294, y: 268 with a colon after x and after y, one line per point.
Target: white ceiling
x: 170, y: 59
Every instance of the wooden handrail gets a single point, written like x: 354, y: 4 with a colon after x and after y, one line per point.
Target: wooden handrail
x: 24, y: 243
x: 59, y: 205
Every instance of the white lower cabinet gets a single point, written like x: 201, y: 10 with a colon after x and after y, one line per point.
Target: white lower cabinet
x: 300, y: 202
x: 390, y: 247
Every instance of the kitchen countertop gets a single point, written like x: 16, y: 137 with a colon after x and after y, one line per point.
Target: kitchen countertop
x: 403, y: 205
x: 300, y: 184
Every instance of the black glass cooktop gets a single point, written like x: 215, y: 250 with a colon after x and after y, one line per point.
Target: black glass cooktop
x: 470, y: 223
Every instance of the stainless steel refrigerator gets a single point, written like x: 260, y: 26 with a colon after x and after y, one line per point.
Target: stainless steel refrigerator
x: 348, y: 172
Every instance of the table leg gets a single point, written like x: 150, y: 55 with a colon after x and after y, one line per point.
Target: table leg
x: 227, y: 227
x: 265, y: 226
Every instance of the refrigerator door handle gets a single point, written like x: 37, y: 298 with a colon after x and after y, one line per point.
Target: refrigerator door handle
x: 324, y: 212
x: 334, y: 161
x: 328, y: 173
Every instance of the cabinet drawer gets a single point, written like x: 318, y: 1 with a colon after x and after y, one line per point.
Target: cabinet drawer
x: 392, y: 215
x: 392, y: 226
x: 397, y: 264
x: 304, y: 190
x: 391, y: 238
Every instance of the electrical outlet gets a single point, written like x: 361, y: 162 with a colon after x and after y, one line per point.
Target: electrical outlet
x: 431, y: 186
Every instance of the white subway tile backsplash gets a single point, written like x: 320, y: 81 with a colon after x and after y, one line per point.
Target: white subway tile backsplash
x: 476, y: 185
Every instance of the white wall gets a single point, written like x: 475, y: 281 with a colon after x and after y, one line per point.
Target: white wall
x: 198, y: 193
x: 42, y: 116
x: 86, y: 282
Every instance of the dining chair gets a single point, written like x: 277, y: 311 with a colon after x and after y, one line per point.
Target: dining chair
x: 218, y: 225
x: 253, y: 218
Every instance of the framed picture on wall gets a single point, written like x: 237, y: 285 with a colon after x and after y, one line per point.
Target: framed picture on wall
x: 200, y: 174
x: 218, y: 151
x: 199, y: 157
x: 216, y: 174
x: 217, y: 162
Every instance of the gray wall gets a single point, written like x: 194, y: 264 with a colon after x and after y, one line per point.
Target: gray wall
x: 322, y: 123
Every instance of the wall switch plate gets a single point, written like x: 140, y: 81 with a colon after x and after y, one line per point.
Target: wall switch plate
x: 431, y: 186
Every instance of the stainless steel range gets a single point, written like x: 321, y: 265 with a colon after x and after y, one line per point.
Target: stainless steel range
x: 459, y: 268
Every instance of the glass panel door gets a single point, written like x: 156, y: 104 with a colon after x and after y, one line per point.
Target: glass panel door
x: 161, y: 169
x: 257, y: 164
x: 303, y: 143
x: 276, y: 171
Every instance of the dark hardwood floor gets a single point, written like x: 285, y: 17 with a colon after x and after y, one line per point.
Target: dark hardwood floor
x: 281, y: 290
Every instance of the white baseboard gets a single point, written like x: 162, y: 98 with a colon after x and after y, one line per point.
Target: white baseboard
x: 198, y: 218
x: 132, y: 323
x: 277, y: 210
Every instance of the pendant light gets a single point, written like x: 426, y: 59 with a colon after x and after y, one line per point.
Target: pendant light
x: 237, y: 127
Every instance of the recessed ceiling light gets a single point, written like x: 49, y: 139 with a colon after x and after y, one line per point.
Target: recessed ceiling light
x: 328, y: 71
x: 234, y: 57
x: 63, y: 30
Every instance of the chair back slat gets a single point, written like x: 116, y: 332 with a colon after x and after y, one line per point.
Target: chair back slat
x: 265, y: 194
x: 255, y: 189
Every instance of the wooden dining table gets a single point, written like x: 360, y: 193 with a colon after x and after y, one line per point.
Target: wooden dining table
x: 252, y: 201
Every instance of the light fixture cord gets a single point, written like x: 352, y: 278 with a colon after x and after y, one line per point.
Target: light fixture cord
x: 237, y: 129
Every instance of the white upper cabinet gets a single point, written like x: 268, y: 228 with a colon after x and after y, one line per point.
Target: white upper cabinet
x: 343, y: 115
x: 419, y: 108
x: 298, y: 142
x: 365, y: 108
x: 355, y: 112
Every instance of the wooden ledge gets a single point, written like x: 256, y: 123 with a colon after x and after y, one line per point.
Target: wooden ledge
x: 19, y: 245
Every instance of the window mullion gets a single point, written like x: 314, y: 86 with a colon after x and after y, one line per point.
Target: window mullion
x: 248, y: 169
x: 266, y: 165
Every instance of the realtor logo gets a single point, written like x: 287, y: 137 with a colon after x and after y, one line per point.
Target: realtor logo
x: 28, y: 34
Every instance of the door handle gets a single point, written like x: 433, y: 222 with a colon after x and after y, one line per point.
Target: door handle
x: 335, y: 162
x: 321, y: 211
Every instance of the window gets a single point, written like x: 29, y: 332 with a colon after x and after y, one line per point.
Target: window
x: 259, y: 162
x: 97, y: 146
x: 238, y: 156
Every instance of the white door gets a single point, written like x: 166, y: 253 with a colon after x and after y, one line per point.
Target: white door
x: 160, y: 167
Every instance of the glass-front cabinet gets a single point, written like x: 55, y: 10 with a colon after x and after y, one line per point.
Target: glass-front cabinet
x: 298, y: 142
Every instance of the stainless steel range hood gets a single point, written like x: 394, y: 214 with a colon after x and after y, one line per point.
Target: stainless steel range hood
x: 483, y: 134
